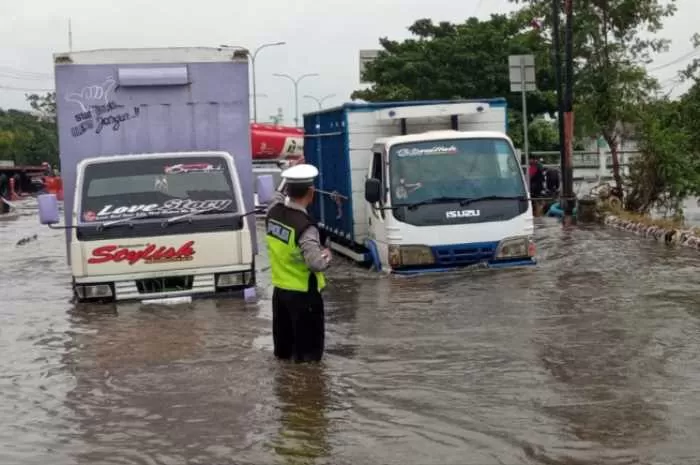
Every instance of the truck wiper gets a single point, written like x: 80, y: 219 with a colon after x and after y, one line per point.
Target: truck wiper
x: 434, y: 200
x: 464, y: 202
x: 175, y: 219
x: 129, y: 221
x: 109, y: 224
x: 186, y: 216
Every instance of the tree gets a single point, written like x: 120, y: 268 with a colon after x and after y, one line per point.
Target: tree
x: 44, y: 105
x: 461, y: 61
x: 666, y: 173
x: 27, y: 139
x: 610, y: 82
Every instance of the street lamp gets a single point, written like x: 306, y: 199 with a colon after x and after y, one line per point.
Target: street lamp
x: 252, y: 62
x: 320, y: 101
x: 296, y: 91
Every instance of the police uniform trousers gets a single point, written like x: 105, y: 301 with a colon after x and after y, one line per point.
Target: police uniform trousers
x: 298, y: 323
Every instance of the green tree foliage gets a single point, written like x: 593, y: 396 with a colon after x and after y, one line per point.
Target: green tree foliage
x: 669, y: 169
x: 610, y: 82
x: 28, y: 139
x: 662, y: 177
x: 462, y: 61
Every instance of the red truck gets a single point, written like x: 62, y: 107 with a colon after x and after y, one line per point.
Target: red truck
x: 272, y: 142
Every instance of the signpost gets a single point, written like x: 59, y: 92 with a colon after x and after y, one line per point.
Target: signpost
x: 365, y: 57
x: 522, y: 79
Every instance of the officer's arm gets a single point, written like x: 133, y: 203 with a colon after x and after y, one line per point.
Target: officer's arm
x: 276, y: 199
x: 311, y: 249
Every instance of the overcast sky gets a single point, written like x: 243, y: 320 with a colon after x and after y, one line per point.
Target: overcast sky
x: 322, y: 37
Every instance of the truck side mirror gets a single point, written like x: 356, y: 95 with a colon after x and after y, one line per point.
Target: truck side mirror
x: 265, y: 188
x: 373, y: 190
x: 48, y: 209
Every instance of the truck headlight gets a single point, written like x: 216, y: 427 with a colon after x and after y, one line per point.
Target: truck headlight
x: 93, y: 291
x: 232, y: 279
x: 410, y: 255
x: 515, y: 247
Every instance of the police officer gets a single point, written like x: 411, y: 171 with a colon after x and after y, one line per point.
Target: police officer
x: 297, y: 262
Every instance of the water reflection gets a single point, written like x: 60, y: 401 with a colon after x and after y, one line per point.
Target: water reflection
x: 342, y: 303
x: 302, y: 391
x: 172, y: 384
x: 600, y: 354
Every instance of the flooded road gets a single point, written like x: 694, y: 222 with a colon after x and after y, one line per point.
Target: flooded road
x: 590, y: 358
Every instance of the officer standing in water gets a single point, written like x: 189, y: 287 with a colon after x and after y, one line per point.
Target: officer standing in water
x: 297, y: 262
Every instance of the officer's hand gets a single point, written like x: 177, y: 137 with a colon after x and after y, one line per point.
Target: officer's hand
x: 326, y: 254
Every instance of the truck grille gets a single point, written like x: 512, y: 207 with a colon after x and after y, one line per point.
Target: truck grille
x: 169, y: 284
x: 463, y: 255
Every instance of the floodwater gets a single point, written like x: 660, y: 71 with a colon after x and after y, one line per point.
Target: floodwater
x: 592, y: 358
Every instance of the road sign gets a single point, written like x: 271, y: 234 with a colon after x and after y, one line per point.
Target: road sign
x: 365, y: 57
x: 522, y: 73
x: 522, y: 79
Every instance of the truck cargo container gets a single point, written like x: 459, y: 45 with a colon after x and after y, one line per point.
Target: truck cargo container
x: 431, y: 185
x: 157, y: 172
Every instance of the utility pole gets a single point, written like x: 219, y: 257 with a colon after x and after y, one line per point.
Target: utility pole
x: 253, y: 56
x: 70, y: 35
x: 296, y: 91
x: 567, y: 162
x: 556, y: 52
x: 320, y: 101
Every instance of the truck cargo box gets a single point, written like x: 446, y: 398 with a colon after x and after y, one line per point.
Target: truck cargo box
x: 338, y: 141
x: 125, y: 101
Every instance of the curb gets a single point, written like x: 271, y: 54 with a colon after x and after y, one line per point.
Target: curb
x: 682, y: 237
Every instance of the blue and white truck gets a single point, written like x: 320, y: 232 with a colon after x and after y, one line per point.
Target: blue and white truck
x: 423, y: 186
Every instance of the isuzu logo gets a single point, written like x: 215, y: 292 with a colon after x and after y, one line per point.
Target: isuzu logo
x: 462, y: 213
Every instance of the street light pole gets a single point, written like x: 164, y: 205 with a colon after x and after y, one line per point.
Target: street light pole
x: 296, y: 91
x: 253, y: 56
x: 320, y: 101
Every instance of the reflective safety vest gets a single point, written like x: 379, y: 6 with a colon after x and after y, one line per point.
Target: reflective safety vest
x: 284, y: 227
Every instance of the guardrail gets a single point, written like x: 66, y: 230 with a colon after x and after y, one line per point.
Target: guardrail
x: 585, y: 159
x: 587, y: 165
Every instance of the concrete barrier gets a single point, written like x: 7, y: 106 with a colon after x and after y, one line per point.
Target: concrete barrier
x: 682, y: 237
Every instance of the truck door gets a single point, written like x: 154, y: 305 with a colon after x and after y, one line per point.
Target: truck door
x: 375, y: 214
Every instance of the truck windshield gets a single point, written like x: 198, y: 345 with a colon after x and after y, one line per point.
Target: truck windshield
x: 456, y: 169
x: 157, y: 187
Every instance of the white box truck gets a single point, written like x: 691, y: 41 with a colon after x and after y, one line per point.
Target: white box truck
x: 156, y: 164
x: 431, y: 185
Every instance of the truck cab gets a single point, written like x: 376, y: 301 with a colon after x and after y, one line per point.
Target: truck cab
x: 444, y: 199
x: 154, y: 226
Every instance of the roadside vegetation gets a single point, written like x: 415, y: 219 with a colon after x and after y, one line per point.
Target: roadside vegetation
x: 30, y: 138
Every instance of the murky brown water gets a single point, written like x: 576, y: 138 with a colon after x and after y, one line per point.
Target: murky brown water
x: 591, y: 358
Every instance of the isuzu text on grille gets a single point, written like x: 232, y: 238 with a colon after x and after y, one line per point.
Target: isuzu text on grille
x: 150, y: 254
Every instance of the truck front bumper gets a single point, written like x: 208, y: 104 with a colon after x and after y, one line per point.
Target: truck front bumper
x: 196, y: 283
x: 510, y: 252
x: 480, y: 265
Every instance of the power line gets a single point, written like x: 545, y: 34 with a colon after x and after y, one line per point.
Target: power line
x: 10, y: 69
x: 693, y: 53
x: 24, y: 89
x: 24, y: 78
